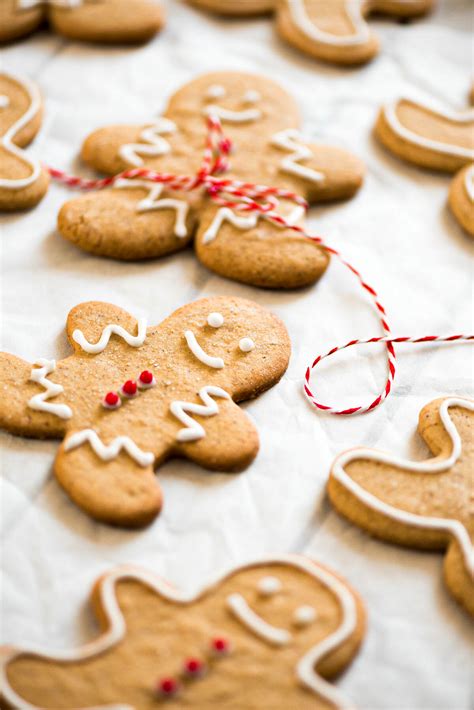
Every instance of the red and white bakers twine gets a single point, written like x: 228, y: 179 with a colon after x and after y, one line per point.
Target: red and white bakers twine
x: 249, y: 197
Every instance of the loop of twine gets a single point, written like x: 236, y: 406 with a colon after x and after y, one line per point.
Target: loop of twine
x: 250, y: 197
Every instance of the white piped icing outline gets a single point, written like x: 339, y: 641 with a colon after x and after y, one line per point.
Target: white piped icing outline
x: 216, y: 362
x: 108, y: 452
x: 6, y: 141
x: 390, y: 115
x: 435, y: 465
x: 304, y: 23
x: 135, y: 341
x: 193, y: 430
x: 38, y: 402
x: 287, y: 140
x: 153, y: 143
x: 469, y: 183
x: 117, y: 629
x: 152, y: 202
x: 252, y: 621
x: 244, y: 222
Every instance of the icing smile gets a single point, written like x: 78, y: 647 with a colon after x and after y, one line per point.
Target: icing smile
x: 254, y: 623
x: 246, y: 115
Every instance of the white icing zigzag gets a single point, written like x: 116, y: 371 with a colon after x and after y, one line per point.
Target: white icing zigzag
x: 153, y: 144
x: 194, y: 430
x: 290, y: 139
x: 243, y: 222
x: 39, y: 401
x: 152, y: 202
x: 110, y: 451
x: 134, y: 340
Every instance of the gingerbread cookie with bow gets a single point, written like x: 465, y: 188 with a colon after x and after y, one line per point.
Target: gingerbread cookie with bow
x: 23, y: 182
x: 423, y: 504
x: 138, y: 220
x: 267, y: 635
x: 440, y: 140
x: 334, y: 31
x: 105, y: 21
x: 131, y: 397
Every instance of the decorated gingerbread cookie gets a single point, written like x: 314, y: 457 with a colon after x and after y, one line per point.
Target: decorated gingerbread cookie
x: 137, y: 220
x: 425, y: 504
x: 132, y: 396
x: 107, y: 21
x: 334, y: 31
x: 23, y: 182
x: 267, y: 635
x: 436, y: 139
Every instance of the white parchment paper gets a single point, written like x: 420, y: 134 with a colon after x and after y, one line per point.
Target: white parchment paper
x: 417, y: 653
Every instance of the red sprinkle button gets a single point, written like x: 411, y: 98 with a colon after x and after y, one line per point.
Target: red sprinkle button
x: 168, y: 687
x: 129, y: 388
x: 194, y: 667
x: 111, y: 400
x: 220, y: 646
x: 146, y: 378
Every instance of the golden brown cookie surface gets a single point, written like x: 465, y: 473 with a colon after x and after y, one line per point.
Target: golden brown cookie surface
x: 262, y: 122
x: 105, y: 21
x: 130, y: 397
x: 23, y: 182
x: 266, y: 635
x: 425, y: 504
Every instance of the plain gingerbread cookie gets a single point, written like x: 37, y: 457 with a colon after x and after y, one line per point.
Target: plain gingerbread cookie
x: 334, y: 31
x: 105, y: 21
x: 130, y: 397
x: 23, y: 182
x: 267, y: 635
x: 432, y: 138
x: 138, y: 220
x: 426, y: 504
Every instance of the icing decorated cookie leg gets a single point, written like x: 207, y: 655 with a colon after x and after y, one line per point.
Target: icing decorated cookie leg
x: 419, y: 504
x: 139, y: 219
x: 268, y: 634
x: 132, y: 396
x: 23, y: 182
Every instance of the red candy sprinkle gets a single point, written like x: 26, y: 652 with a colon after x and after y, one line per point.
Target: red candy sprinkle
x: 129, y: 388
x: 220, y: 645
x: 111, y: 399
x: 168, y: 686
x: 146, y: 377
x: 194, y: 667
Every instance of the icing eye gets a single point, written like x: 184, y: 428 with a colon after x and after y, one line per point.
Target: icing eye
x: 268, y: 586
x: 251, y: 97
x: 246, y: 345
x: 304, y: 616
x: 215, y: 320
x: 215, y: 91
x: 4, y: 101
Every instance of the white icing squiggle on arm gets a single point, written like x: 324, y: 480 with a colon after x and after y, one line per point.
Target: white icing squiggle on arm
x: 243, y: 222
x: 290, y: 139
x: 239, y: 607
x: 210, y: 408
x: 110, y: 451
x: 93, y: 348
x: 153, y: 144
x: 38, y: 402
x: 152, y: 202
x: 215, y: 362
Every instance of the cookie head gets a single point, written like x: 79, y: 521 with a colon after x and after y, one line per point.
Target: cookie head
x: 245, y: 101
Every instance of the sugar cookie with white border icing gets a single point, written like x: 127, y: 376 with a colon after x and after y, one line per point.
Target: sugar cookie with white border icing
x: 132, y: 396
x: 422, y: 504
x: 227, y: 647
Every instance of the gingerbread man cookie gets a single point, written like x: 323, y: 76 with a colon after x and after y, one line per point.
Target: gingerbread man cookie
x: 23, y: 182
x: 137, y: 220
x: 425, y: 504
x: 436, y: 139
x: 106, y: 21
x: 131, y: 397
x: 334, y: 31
x: 267, y: 635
